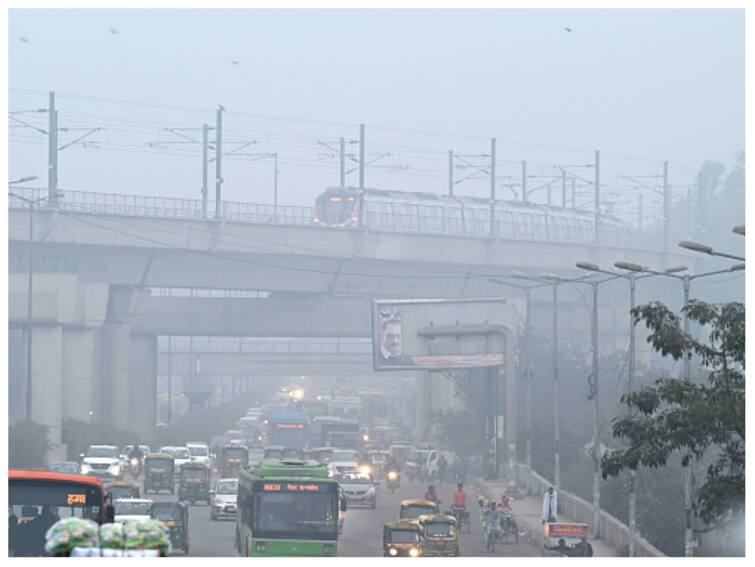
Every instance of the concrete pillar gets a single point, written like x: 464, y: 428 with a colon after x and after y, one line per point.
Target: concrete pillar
x: 142, y: 407
x: 114, y: 374
x: 47, y: 384
x: 424, y: 403
x: 80, y: 372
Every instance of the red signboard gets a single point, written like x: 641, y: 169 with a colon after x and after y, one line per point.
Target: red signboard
x: 566, y: 530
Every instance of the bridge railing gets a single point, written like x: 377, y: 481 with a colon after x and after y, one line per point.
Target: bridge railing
x: 509, y: 227
x: 612, y: 530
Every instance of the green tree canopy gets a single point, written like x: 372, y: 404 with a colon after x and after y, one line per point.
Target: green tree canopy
x: 703, y: 419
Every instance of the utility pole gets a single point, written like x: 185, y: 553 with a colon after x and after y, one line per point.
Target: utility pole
x: 640, y: 213
x: 451, y: 173
x: 597, y: 197
x: 52, y: 152
x: 563, y: 189
x: 524, y: 182
x: 630, y: 386
x: 342, y: 162
x: 29, y: 323
x: 275, y: 186
x: 361, y: 157
x: 527, y: 385
x: 666, y: 207
x: 596, y: 415
x: 205, y: 145
x: 362, y: 218
x: 170, y: 379
x: 689, y: 536
x: 218, y: 159
x: 492, y: 186
x: 573, y: 192
x: 556, y: 395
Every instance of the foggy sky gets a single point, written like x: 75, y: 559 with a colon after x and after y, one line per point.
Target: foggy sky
x: 650, y: 85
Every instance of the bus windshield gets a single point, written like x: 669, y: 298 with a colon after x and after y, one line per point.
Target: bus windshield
x: 234, y: 454
x: 35, y: 505
x: 282, y: 514
x: 289, y: 434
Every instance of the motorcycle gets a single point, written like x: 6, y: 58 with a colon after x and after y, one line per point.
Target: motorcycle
x: 392, y: 480
x: 134, y: 467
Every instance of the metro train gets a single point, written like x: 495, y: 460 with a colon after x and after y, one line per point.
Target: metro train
x: 401, y: 211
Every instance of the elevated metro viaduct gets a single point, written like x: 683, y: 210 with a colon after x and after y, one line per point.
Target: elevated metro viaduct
x: 94, y: 345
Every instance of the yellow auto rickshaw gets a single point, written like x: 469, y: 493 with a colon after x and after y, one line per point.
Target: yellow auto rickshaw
x: 440, y: 535
x: 195, y: 483
x: 412, y: 509
x: 402, y: 539
x: 175, y: 515
x: 158, y: 472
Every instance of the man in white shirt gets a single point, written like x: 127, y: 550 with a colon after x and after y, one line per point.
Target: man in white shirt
x: 550, y: 506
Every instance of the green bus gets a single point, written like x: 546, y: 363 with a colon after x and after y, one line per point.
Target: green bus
x: 287, y: 508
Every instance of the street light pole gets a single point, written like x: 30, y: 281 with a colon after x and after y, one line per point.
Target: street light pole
x: 556, y: 396
x: 689, y: 536
x: 596, y: 415
x: 29, y: 289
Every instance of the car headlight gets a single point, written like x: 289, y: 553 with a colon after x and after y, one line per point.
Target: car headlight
x: 85, y: 468
x: 365, y: 469
x: 115, y: 469
x: 414, y: 552
x: 392, y: 475
x: 134, y: 462
x: 371, y: 490
x: 393, y: 551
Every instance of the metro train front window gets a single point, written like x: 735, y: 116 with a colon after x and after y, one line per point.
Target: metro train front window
x: 336, y: 210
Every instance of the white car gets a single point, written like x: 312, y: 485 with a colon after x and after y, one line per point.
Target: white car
x: 224, y: 499
x: 181, y: 456
x: 103, y: 461
x: 127, y: 509
x: 200, y: 453
x: 359, y: 488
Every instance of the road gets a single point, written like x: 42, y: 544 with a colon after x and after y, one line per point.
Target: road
x: 363, y: 530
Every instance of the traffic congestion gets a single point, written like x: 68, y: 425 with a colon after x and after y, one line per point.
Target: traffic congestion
x: 303, y: 474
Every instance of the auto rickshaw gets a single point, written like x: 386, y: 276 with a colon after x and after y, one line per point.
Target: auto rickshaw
x: 566, y: 539
x: 195, y: 483
x: 440, y: 535
x: 412, y: 509
x: 175, y: 515
x: 158, y: 473
x: 123, y: 489
x: 232, y: 458
x: 402, y: 539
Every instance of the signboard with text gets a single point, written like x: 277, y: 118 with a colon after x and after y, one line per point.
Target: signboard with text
x: 437, y: 334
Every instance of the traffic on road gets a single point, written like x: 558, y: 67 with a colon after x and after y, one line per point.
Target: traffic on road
x: 302, y: 475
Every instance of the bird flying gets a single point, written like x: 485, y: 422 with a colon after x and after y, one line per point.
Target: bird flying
x: 23, y: 39
x: 567, y: 29
x: 233, y: 61
x: 114, y: 31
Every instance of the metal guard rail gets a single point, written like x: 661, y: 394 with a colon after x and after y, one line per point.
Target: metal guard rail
x: 253, y: 213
